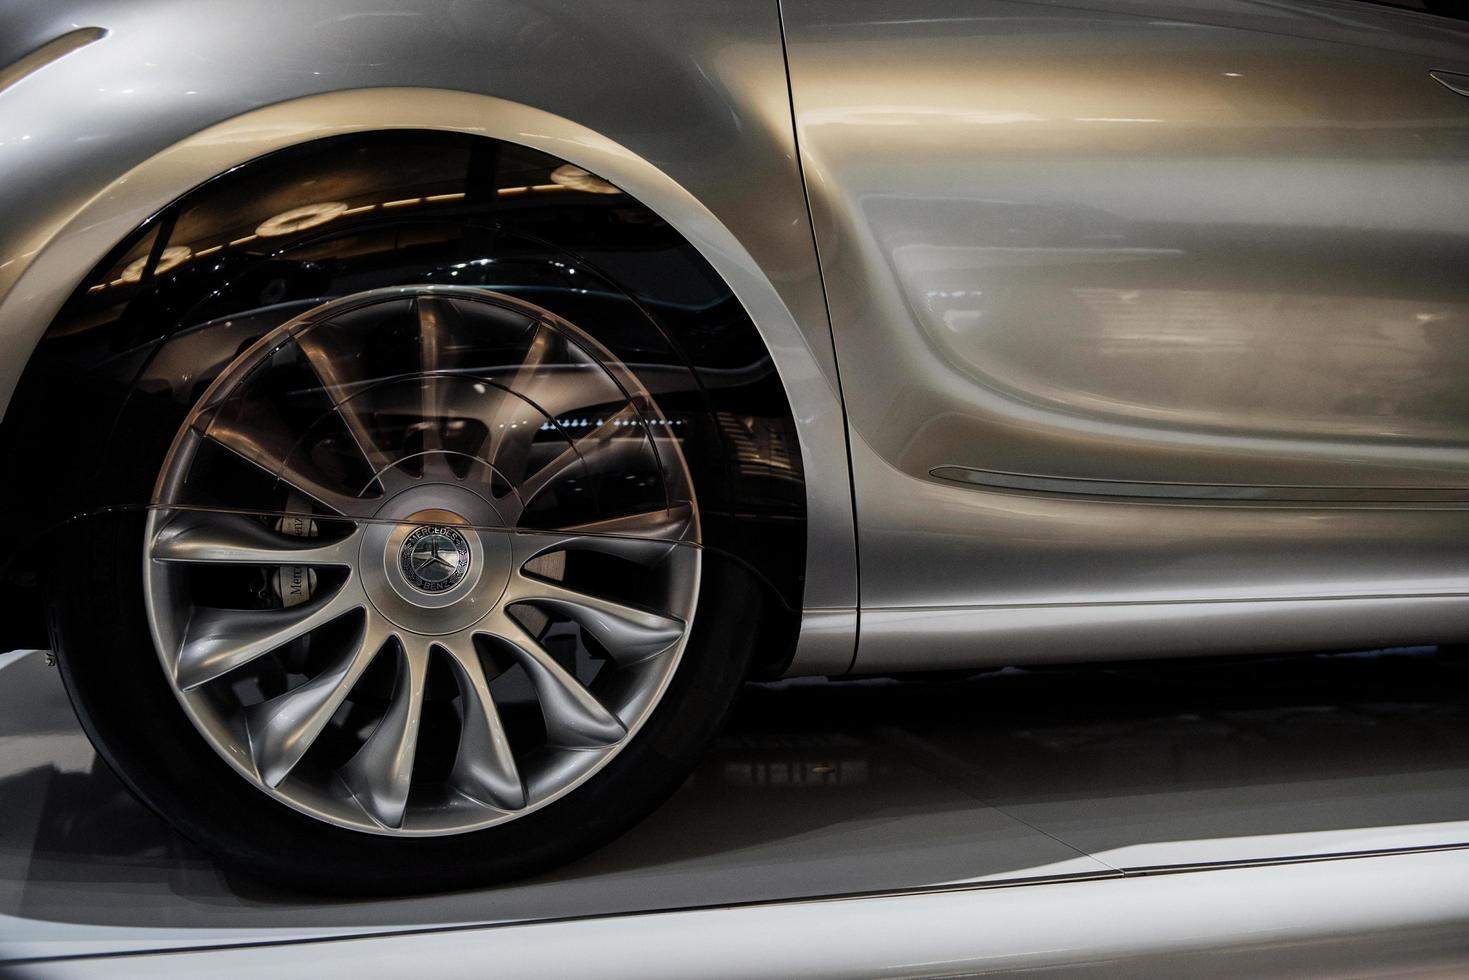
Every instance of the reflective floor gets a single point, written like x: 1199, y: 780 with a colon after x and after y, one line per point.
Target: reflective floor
x: 822, y: 789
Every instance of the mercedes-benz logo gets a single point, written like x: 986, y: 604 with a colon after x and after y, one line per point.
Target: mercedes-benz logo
x: 434, y: 558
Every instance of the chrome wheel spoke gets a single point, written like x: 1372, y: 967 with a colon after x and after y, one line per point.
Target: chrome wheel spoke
x: 283, y: 728
x: 574, y: 717
x: 380, y: 773
x: 513, y: 426
x: 645, y: 537
x: 204, y: 537
x: 273, y: 461
x: 433, y: 341
x: 484, y: 767
x: 333, y: 370
x: 216, y: 641
x: 608, y: 446
x: 629, y: 635
x: 395, y: 480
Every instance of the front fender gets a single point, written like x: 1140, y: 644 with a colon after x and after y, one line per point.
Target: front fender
x: 687, y: 111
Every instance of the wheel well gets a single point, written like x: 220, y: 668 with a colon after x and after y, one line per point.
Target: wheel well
x: 147, y: 329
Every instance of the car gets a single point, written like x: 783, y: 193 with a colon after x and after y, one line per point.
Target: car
x: 421, y: 420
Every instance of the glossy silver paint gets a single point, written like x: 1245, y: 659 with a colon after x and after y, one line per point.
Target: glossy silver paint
x: 690, y: 115
x: 1149, y: 317
x: 1152, y: 317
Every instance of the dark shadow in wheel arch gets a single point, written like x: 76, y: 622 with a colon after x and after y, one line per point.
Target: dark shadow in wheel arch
x: 150, y: 327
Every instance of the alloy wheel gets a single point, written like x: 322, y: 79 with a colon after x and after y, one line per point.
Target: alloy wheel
x: 422, y: 560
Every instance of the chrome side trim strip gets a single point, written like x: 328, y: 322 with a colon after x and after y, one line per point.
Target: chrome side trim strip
x: 937, y: 638
x: 1451, y: 80
x: 52, y: 50
x: 1237, y: 492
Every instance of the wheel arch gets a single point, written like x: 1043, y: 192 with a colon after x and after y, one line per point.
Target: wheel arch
x: 124, y: 205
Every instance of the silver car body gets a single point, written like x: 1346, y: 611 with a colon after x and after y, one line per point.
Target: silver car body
x: 1110, y: 327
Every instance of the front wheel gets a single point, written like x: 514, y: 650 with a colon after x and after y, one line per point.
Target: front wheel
x: 419, y: 602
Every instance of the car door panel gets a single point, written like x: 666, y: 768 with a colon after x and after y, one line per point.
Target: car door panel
x: 1143, y: 302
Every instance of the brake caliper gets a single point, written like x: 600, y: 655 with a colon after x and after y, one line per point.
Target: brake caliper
x: 294, y: 584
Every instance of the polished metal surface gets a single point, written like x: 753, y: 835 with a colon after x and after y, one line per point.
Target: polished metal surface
x: 689, y: 113
x: 52, y: 50
x: 1166, y: 251
x: 1000, y: 635
x: 1236, y: 492
x: 438, y: 558
x: 1053, y: 796
x: 1454, y: 81
x: 1081, y: 254
x: 1151, y: 307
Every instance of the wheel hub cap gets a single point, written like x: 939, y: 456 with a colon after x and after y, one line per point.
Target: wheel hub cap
x: 438, y: 561
x: 434, y: 558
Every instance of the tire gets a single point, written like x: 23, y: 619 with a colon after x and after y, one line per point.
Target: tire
x: 170, y: 743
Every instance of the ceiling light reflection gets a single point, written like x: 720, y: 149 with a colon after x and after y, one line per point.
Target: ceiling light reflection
x: 299, y: 219
x: 574, y: 177
x: 172, y: 256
